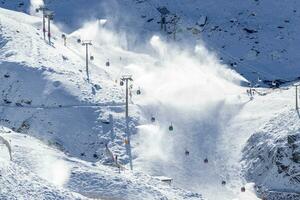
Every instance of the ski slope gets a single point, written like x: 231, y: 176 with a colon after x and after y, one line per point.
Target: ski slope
x: 46, y: 95
x: 41, y: 172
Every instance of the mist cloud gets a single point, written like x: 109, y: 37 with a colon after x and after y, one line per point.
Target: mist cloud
x: 34, y: 4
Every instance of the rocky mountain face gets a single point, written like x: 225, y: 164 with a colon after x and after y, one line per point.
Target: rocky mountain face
x: 272, y: 158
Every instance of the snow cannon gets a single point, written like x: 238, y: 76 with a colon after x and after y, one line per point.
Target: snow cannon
x: 243, y: 189
x: 171, y: 128
x: 152, y: 119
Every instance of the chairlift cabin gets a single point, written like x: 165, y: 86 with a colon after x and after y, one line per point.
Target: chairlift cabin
x: 152, y: 119
x: 63, y: 36
x: 79, y: 41
x: 243, y: 189
x: 187, y: 152
x: 171, y: 127
x: 223, y: 182
x: 91, y: 57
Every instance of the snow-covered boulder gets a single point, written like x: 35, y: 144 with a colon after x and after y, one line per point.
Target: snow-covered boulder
x: 271, y: 158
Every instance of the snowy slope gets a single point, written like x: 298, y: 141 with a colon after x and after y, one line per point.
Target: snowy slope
x: 47, y: 96
x: 54, y: 77
x: 271, y: 157
x: 41, y: 172
x: 257, y: 38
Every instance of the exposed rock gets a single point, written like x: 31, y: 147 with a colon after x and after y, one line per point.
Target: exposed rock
x: 296, y: 157
x: 250, y: 30
x: 291, y: 139
x: 270, y: 158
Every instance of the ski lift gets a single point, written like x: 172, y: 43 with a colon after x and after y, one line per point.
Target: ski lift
x: 187, y: 152
x: 91, y: 57
x: 107, y: 64
x: 121, y: 83
x: 243, y: 189
x: 78, y: 40
x: 152, y: 119
x: 223, y: 182
x: 138, y: 92
x: 50, y: 16
x: 171, y: 127
x: 205, y: 160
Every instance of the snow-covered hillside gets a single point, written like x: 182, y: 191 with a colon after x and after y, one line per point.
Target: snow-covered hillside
x: 192, y: 121
x: 272, y: 156
x: 41, y: 172
x: 45, y: 94
x: 257, y: 38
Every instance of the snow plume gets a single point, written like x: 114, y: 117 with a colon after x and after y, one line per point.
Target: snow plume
x: 155, y: 138
x: 96, y: 32
x: 196, y: 95
x: 34, y: 4
x: 54, y: 170
x: 185, y: 79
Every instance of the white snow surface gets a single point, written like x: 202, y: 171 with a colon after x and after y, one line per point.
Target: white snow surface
x: 41, y: 172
